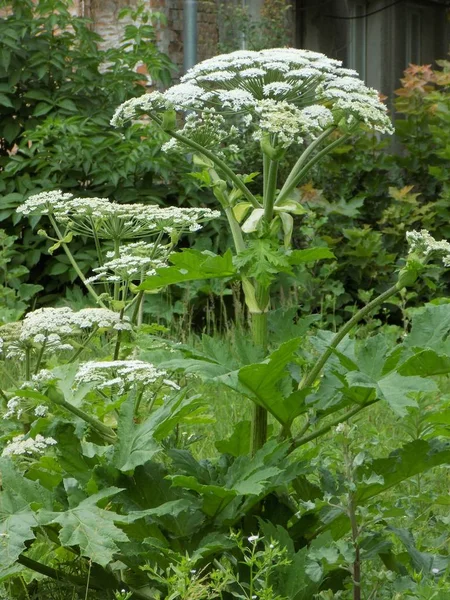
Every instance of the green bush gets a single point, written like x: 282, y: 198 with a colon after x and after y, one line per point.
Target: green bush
x: 58, y: 92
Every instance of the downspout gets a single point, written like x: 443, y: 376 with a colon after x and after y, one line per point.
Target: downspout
x: 189, y: 34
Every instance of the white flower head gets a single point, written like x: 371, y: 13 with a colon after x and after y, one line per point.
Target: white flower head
x: 120, y: 375
x: 27, y: 446
x: 424, y: 243
x: 236, y: 83
x: 44, y: 203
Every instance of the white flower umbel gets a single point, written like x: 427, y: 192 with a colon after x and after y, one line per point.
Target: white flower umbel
x: 23, y: 446
x: 44, y: 203
x: 135, y: 262
x: 14, y: 408
x: 208, y: 129
x: 237, y: 82
x: 104, y: 219
x: 88, y: 318
x: 424, y: 243
x: 52, y: 326
x: 120, y: 375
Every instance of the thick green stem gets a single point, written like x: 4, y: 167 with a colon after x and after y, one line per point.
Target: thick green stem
x: 217, y: 161
x: 302, y: 440
x: 74, y: 264
x: 118, y: 339
x: 137, y: 308
x: 83, y: 346
x: 41, y: 354
x: 289, y: 184
x: 309, y: 379
x: 28, y: 364
x: 236, y: 231
x: 38, y: 567
x: 104, y: 430
x: 260, y: 339
x: 54, y: 573
x: 117, y: 283
x: 270, y: 190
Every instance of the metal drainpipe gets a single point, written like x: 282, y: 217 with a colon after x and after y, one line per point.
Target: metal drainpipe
x: 190, y: 34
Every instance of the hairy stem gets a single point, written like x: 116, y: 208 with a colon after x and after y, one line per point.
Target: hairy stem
x: 290, y: 182
x: 309, y: 379
x: 83, y: 346
x: 118, y: 339
x: 260, y: 338
x: 236, y: 231
x: 351, y: 512
x: 74, y: 263
x: 270, y: 190
x: 302, y: 440
x: 105, y: 431
x: 28, y: 364
x: 54, y: 573
x: 40, y: 355
x: 217, y: 161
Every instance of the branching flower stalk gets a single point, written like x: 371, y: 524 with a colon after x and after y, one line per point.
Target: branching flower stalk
x: 74, y: 263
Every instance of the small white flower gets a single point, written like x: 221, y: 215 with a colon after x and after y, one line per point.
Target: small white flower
x: 253, y: 538
x: 20, y: 445
x: 41, y: 410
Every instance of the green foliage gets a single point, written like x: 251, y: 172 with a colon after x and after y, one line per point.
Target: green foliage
x: 58, y: 92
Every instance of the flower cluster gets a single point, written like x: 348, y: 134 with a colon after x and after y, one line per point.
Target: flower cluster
x: 240, y: 82
x: 120, y: 375
x: 15, y: 408
x: 21, y: 445
x: 135, y: 261
x: 208, y: 129
x: 104, y: 219
x: 50, y: 327
x: 425, y: 244
x: 289, y: 123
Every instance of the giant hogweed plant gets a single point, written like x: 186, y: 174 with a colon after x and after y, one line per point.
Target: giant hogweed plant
x: 100, y: 491
x: 289, y: 99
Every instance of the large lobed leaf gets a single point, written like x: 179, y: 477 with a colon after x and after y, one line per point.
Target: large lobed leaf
x: 191, y: 265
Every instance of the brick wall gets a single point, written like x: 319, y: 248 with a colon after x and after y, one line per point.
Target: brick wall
x: 104, y: 15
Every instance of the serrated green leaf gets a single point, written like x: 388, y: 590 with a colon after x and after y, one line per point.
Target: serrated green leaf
x: 214, y: 497
x: 430, y: 329
x: 19, y: 501
x: 425, y: 364
x: 191, y: 265
x: 137, y: 444
x: 265, y: 383
x: 90, y: 528
x: 239, y: 441
x: 263, y: 261
x: 298, y: 257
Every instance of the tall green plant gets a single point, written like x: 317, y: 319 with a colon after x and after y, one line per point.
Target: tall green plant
x: 285, y: 97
